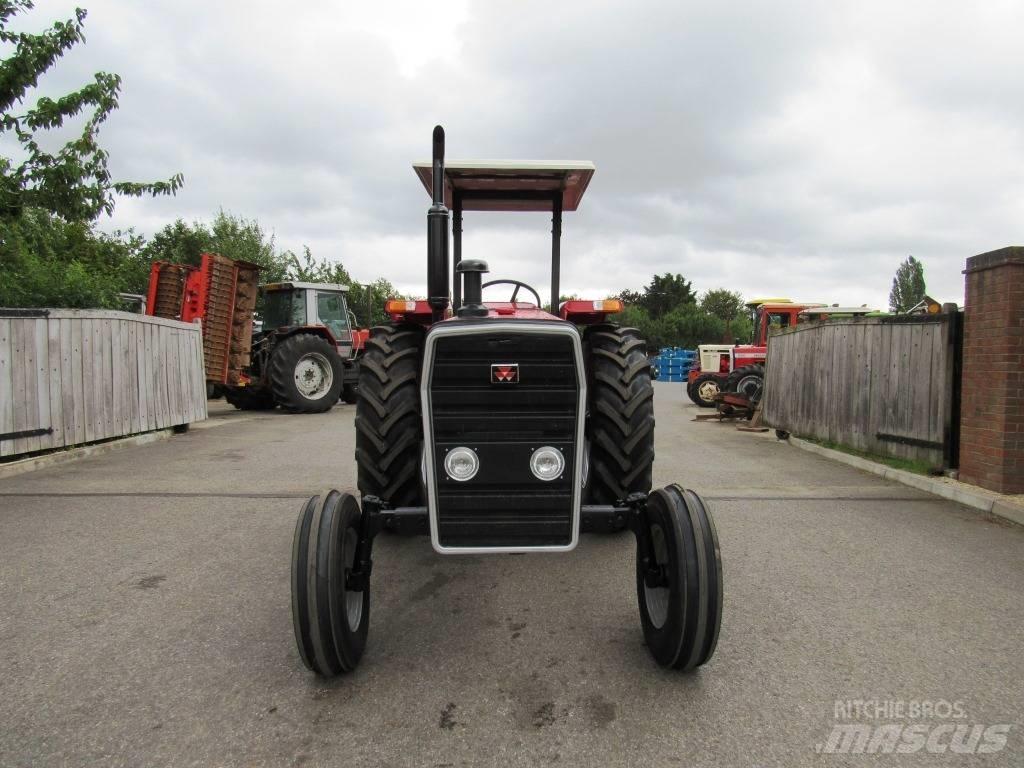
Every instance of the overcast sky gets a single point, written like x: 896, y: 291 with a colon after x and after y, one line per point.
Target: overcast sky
x: 776, y: 148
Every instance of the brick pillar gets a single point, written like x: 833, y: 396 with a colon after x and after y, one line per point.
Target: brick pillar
x: 992, y: 395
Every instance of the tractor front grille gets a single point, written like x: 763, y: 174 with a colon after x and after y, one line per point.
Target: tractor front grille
x: 504, y: 506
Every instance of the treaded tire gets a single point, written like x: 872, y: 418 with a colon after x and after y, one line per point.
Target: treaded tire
x: 286, y: 356
x: 330, y: 621
x: 681, y: 607
x: 249, y: 398
x: 744, y: 377
x: 695, y: 389
x: 389, y: 430
x: 621, y: 423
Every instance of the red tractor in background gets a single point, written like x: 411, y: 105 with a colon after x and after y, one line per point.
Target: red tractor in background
x: 499, y: 427
x: 740, y: 367
x: 304, y: 357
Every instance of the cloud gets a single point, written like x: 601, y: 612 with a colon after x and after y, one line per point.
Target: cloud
x: 784, y: 148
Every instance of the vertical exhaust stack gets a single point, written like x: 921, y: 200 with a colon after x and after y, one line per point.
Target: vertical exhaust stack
x: 437, y: 235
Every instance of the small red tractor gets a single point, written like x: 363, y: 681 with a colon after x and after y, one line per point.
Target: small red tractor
x: 500, y: 427
x: 740, y: 368
x: 303, y: 357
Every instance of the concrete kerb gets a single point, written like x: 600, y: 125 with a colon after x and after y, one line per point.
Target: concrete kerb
x: 32, y: 463
x: 46, y: 460
x: 962, y: 493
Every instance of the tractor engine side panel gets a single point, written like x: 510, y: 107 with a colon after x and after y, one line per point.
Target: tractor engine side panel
x: 504, y: 507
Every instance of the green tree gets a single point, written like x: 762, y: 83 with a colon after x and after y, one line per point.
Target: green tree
x: 229, y: 235
x: 46, y: 261
x: 665, y: 293
x: 688, y: 325
x: 722, y: 303
x: 908, y: 286
x: 73, y: 182
x: 179, y: 243
x: 630, y: 298
x: 728, y: 307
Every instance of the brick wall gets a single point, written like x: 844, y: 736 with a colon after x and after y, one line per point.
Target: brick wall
x: 992, y: 395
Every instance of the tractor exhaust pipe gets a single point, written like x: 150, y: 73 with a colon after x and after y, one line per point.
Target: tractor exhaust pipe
x: 437, y: 235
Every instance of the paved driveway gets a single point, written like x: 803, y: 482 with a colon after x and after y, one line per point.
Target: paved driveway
x: 145, y: 619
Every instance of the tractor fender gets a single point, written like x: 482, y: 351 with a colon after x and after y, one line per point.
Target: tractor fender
x: 316, y: 330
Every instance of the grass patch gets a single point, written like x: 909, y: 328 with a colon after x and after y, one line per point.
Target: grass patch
x: 916, y: 466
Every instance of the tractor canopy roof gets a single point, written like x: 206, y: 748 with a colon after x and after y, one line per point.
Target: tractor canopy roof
x: 291, y: 285
x: 781, y: 305
x: 835, y: 309
x: 755, y: 303
x: 510, y: 185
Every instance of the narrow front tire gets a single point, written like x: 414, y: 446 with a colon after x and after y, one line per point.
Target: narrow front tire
x: 330, y: 619
x: 679, y: 579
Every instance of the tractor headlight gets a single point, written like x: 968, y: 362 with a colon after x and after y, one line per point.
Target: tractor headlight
x: 547, y: 463
x: 461, y: 464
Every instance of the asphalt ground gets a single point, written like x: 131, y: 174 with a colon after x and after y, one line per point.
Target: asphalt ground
x: 145, y: 618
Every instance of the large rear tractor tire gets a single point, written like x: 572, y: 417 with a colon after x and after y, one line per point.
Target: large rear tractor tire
x: 679, y: 579
x: 621, y: 425
x: 704, y: 389
x: 389, y: 430
x: 746, y: 380
x: 306, y: 374
x: 249, y: 398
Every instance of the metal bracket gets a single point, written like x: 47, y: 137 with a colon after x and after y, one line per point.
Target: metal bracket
x: 654, y: 574
x: 358, y: 577
x: 26, y: 433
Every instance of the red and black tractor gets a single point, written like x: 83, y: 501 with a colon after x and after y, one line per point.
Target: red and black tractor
x: 303, y: 355
x: 501, y: 427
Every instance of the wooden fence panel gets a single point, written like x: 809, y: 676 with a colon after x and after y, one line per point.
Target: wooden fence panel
x: 882, y: 385
x: 75, y: 376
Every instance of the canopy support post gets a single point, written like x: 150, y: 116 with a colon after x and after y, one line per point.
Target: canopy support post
x: 456, y: 250
x: 556, y: 247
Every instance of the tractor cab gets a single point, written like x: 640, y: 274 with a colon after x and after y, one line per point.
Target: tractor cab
x: 769, y: 315
x: 291, y: 305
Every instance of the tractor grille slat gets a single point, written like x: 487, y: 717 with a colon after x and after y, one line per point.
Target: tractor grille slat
x: 504, y: 505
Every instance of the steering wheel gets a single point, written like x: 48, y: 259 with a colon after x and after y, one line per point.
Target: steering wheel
x: 515, y: 293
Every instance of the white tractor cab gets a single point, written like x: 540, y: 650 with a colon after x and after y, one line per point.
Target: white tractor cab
x: 295, y: 304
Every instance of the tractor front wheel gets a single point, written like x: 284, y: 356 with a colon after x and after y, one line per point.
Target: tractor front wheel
x: 678, y: 578
x: 704, y: 389
x: 621, y: 424
x: 330, y: 613
x: 306, y: 374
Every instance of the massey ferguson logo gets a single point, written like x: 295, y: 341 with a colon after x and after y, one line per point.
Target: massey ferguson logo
x: 505, y: 373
